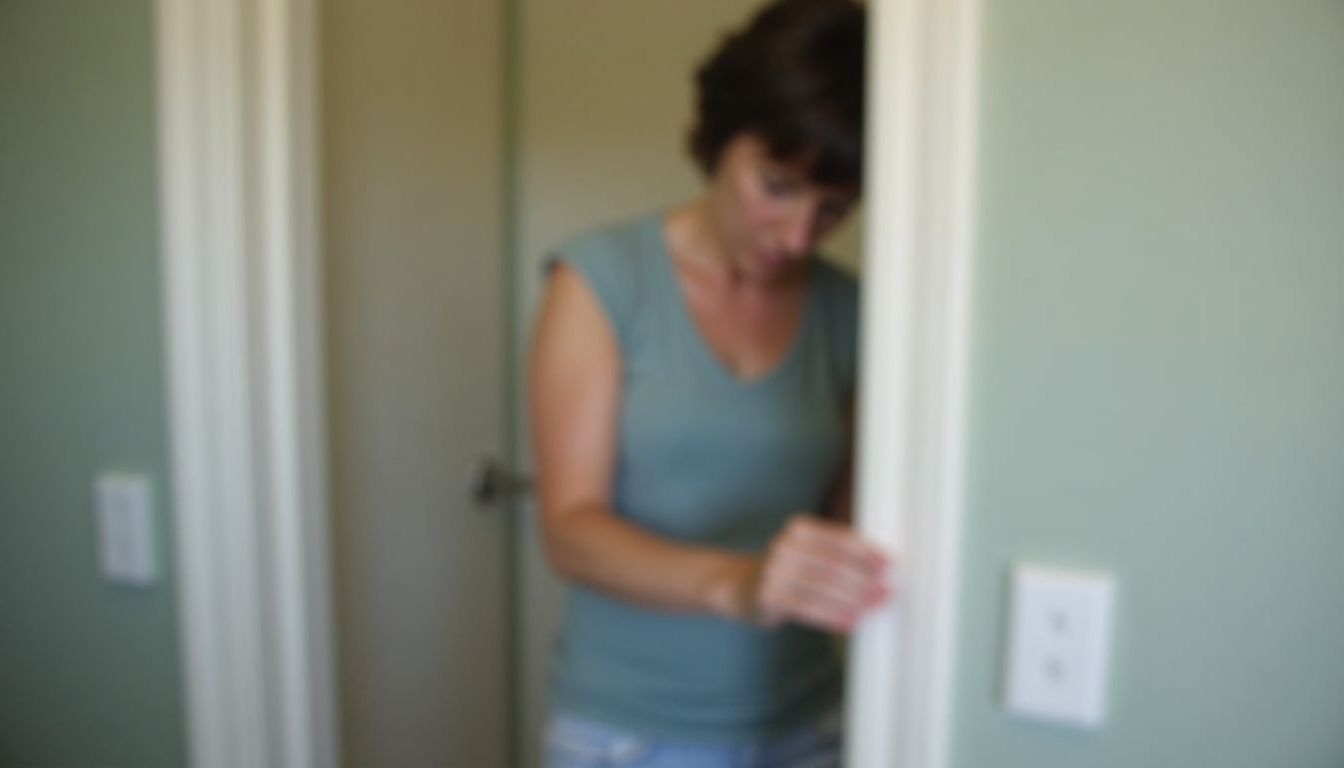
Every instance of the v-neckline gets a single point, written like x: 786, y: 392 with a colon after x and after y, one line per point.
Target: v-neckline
x: 657, y: 236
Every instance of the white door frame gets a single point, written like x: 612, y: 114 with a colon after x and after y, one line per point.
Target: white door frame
x: 242, y: 314
x: 920, y: 195
x: 239, y: 183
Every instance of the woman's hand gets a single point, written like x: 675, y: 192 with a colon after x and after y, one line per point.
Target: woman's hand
x: 815, y: 572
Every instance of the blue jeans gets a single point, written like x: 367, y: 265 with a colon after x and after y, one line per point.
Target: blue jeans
x: 577, y: 742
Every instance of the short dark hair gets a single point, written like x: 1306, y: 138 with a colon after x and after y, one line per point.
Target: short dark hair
x: 794, y: 77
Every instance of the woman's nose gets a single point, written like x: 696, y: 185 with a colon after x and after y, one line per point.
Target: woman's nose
x: 798, y: 230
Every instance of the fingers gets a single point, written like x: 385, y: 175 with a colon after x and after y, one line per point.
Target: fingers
x: 823, y: 574
x: 820, y: 606
x: 820, y: 577
x: 825, y: 616
x: 833, y: 542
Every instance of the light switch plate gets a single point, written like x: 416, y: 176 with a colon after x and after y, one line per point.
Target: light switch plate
x: 1059, y: 646
x: 125, y: 512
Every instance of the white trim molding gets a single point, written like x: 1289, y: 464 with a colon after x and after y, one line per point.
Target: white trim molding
x: 238, y: 185
x: 920, y: 189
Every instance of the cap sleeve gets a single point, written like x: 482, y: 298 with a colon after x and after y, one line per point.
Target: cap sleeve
x: 608, y: 271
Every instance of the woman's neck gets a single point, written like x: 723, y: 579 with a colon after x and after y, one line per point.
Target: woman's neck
x: 695, y: 239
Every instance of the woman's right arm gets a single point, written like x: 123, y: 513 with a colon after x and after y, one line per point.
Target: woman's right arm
x: 815, y: 573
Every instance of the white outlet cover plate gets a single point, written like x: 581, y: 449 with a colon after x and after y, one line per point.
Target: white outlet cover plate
x: 1059, y: 645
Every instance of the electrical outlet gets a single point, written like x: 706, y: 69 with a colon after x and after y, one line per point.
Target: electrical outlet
x: 1059, y: 645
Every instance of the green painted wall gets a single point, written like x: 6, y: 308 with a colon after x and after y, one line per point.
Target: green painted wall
x: 88, y: 671
x: 1158, y: 372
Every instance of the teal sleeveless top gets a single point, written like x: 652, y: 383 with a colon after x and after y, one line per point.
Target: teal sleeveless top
x: 706, y: 458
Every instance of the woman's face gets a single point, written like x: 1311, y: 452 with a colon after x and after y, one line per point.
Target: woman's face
x: 768, y: 213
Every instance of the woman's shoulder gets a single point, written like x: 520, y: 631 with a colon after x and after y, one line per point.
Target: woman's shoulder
x: 625, y: 238
x: 614, y: 260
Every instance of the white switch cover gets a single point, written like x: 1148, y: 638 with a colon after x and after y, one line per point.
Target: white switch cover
x: 1059, y: 648
x: 125, y: 528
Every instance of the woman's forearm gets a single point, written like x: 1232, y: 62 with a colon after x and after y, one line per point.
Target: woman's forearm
x: 595, y: 548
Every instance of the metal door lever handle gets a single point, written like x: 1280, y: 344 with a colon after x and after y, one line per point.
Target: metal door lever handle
x: 491, y: 482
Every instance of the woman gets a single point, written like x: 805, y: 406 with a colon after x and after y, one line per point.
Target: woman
x: 692, y: 393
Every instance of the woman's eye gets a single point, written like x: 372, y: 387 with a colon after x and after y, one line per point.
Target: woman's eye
x: 778, y: 185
